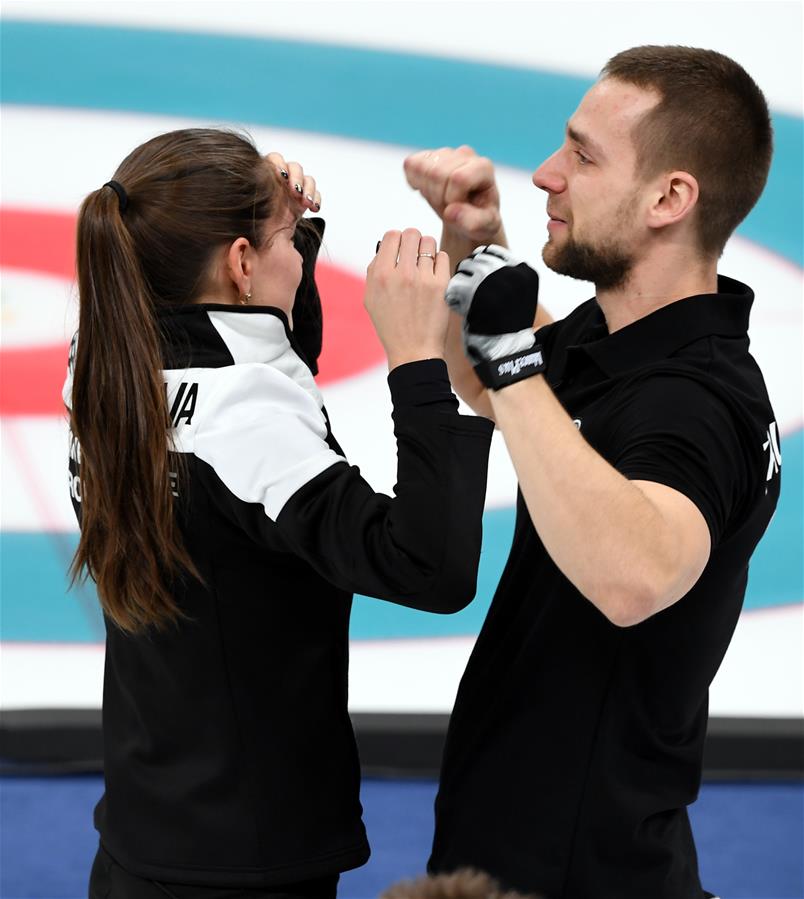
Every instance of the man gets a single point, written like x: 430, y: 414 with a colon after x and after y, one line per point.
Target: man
x: 647, y: 456
x: 462, y: 884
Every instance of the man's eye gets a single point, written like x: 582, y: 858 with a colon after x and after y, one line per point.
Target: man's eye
x: 582, y: 160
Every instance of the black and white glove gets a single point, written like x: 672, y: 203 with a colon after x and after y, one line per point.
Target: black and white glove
x: 497, y: 295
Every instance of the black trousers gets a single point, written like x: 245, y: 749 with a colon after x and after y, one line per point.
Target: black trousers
x: 109, y: 881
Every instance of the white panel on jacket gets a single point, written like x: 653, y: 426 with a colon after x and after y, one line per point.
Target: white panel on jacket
x: 262, y: 338
x: 261, y: 432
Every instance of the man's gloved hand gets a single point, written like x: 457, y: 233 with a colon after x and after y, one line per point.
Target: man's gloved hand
x: 497, y: 295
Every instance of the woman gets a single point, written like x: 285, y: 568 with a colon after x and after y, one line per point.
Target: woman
x: 224, y: 528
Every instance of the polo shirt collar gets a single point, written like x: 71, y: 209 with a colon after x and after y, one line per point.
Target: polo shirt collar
x: 665, y: 331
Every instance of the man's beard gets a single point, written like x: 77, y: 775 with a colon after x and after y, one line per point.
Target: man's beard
x: 607, y: 266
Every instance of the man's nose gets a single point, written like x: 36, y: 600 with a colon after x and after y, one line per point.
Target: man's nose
x: 548, y: 176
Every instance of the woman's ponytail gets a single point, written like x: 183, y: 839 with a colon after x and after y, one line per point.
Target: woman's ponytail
x: 130, y: 541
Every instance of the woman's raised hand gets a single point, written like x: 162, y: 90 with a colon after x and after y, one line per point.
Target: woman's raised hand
x: 405, y: 286
x: 301, y: 186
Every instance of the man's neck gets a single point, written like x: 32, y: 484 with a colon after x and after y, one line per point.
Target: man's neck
x: 652, y: 285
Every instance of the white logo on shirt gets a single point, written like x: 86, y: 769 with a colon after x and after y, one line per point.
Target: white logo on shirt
x: 774, y: 453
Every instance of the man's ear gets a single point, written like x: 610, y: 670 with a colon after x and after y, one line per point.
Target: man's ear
x: 674, y: 199
x: 238, y: 265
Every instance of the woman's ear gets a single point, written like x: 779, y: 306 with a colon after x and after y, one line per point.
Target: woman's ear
x: 239, y: 265
x: 675, y: 199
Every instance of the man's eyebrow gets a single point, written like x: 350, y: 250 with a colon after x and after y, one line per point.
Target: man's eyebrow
x: 585, y: 141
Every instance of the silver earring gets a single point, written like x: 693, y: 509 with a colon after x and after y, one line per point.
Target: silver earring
x: 245, y: 299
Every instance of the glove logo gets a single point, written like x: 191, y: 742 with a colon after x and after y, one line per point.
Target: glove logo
x: 501, y: 372
x: 515, y: 366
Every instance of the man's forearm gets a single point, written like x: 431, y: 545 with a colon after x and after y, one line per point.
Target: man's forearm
x: 461, y: 373
x: 458, y: 247
x: 603, y: 532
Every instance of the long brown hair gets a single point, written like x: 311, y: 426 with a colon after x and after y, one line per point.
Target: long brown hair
x: 187, y: 194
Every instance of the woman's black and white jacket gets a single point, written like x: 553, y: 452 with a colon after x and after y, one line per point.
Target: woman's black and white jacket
x: 229, y: 753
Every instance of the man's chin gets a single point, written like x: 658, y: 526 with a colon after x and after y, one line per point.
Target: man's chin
x: 557, y: 263
x: 552, y: 257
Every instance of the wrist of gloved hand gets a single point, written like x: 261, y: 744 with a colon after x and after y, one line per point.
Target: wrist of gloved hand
x: 498, y: 373
x: 497, y: 296
x: 488, y: 347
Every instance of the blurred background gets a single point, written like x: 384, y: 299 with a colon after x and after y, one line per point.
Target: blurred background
x: 349, y: 89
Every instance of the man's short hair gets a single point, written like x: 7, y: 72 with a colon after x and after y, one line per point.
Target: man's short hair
x: 465, y: 883
x: 712, y: 121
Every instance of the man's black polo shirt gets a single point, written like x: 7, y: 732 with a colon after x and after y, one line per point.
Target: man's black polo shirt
x: 575, y: 745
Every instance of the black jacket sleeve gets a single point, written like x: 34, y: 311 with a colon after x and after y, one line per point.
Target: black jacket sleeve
x: 308, y: 322
x: 270, y: 466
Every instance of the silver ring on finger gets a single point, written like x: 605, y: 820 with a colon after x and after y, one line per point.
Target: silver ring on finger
x: 428, y: 255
